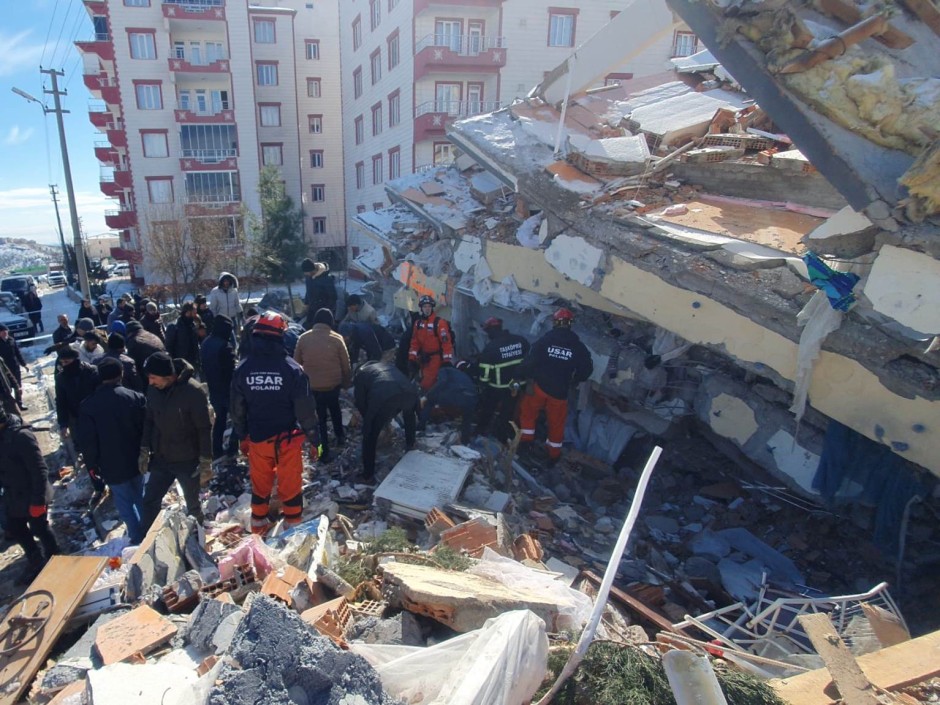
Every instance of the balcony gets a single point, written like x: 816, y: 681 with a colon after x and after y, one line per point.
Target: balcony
x: 211, y: 204
x: 433, y: 116
x: 116, y: 135
x: 106, y: 152
x: 214, y: 67
x: 106, y: 181
x: 422, y: 5
x: 99, y: 114
x: 209, y: 159
x: 450, y: 53
x: 100, y: 45
x: 225, y: 116
x: 120, y: 219
x: 122, y: 177
x: 194, y: 9
x: 103, y: 86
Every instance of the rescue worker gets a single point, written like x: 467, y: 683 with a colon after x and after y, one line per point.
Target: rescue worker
x: 454, y: 389
x: 498, y: 368
x: 381, y: 391
x: 432, y: 343
x: 272, y: 407
x: 557, y: 361
x: 25, y: 489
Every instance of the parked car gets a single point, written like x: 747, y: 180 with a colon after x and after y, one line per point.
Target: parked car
x: 12, y: 302
x: 56, y: 279
x: 122, y: 269
x: 18, y: 284
x: 19, y: 326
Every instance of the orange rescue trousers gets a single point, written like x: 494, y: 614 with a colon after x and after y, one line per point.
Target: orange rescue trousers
x: 556, y: 412
x: 279, y: 456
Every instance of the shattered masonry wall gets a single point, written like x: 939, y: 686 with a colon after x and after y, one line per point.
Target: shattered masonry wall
x: 841, y: 388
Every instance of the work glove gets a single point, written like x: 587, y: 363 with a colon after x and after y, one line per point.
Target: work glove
x: 37, y: 510
x: 143, y: 461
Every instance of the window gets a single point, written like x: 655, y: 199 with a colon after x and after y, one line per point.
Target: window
x: 266, y: 72
x: 357, y: 82
x: 312, y: 47
x: 394, y: 109
x: 270, y: 114
x: 394, y: 163
x: 215, y: 51
x: 360, y: 174
x: 208, y: 143
x: 212, y: 187
x: 561, y: 24
x: 378, y: 205
x: 160, y: 189
x: 360, y: 130
x: 317, y: 193
x: 316, y: 158
x: 154, y: 143
x: 392, y: 4
x: 149, y: 96
x: 264, y: 32
x: 392, y: 49
x: 377, y: 169
x: 375, y: 58
x: 137, y: 3
x: 377, y: 119
x: 444, y: 153
x: 272, y: 154
x: 684, y: 44
x: 319, y: 226
x: 143, y: 45
x: 375, y: 13
x: 315, y: 123
x: 357, y: 32
x: 360, y: 209
x: 313, y: 87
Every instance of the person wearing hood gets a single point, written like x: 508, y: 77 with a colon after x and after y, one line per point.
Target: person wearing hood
x: 32, y: 304
x: 181, y: 337
x: 110, y: 426
x: 323, y: 355
x: 152, y: 321
x: 223, y: 299
x: 320, y: 289
x: 11, y: 355
x: 130, y: 378
x: 381, y: 391
x: 272, y: 409
x: 25, y: 490
x: 176, y: 442
x: 218, y: 364
x: 140, y: 346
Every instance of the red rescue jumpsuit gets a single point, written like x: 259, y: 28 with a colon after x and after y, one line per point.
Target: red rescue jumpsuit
x: 431, y: 345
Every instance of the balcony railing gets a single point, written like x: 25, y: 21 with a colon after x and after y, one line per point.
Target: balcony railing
x: 210, y: 156
x: 457, y: 108
x: 97, y: 106
x: 207, y: 199
x: 105, y: 175
x: 462, y: 45
x: 196, y: 3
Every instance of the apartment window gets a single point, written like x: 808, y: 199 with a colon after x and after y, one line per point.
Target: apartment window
x: 208, y: 143
x: 360, y: 174
x: 160, y: 189
x: 269, y: 114
x: 317, y: 193
x: 265, y: 32
x: 392, y: 49
x: 357, y: 82
x: 272, y: 154
x: 394, y: 109
x: 143, y: 45
x: 212, y: 187
x: 313, y: 87
x: 312, y: 48
x: 360, y: 209
x: 149, y: 96
x: 375, y: 59
x: 377, y: 119
x: 359, y: 129
x: 316, y: 158
x: 357, y: 32
x: 375, y: 13
x: 266, y: 72
x: 444, y: 153
x: 394, y: 163
x: 561, y: 26
x: 684, y: 44
x: 378, y: 205
x: 377, y: 169
x: 315, y: 123
x: 137, y: 3
x: 319, y: 226
x: 392, y: 4
x: 154, y: 143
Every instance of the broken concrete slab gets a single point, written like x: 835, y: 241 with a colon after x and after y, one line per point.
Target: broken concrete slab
x: 402, y: 630
x: 276, y: 658
x: 421, y: 481
x: 206, y: 620
x: 147, y: 684
x: 137, y: 632
x: 575, y: 257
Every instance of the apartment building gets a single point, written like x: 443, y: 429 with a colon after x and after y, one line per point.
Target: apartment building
x: 410, y: 67
x: 194, y: 97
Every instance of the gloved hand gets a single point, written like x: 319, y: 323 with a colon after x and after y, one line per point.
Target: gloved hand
x: 37, y: 510
x: 143, y: 461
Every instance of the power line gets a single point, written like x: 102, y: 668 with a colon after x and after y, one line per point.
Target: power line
x: 70, y: 45
x: 58, y: 41
x: 48, y: 31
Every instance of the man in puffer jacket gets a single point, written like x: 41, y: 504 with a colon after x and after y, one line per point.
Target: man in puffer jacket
x: 323, y: 355
x: 223, y: 299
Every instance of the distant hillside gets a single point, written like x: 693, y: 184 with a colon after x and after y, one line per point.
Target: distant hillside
x: 17, y: 254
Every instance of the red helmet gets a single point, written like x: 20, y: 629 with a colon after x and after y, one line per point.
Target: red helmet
x: 563, y: 317
x: 492, y: 323
x: 270, y: 323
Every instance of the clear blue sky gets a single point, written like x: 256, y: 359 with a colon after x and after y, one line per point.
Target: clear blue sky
x: 34, y: 33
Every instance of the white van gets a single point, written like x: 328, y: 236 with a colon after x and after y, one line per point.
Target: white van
x: 122, y: 269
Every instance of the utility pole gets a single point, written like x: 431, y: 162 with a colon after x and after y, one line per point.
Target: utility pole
x: 65, y: 252
x: 69, y: 190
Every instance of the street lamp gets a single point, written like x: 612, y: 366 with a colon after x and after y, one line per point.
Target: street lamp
x: 70, y: 191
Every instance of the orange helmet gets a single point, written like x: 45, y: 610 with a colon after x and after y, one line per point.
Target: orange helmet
x: 562, y: 317
x: 270, y: 323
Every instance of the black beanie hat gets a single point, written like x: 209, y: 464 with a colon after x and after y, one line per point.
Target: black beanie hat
x: 324, y: 315
x: 307, y: 265
x: 115, y: 341
x: 91, y: 335
x: 159, y: 364
x: 110, y: 368
x: 68, y: 353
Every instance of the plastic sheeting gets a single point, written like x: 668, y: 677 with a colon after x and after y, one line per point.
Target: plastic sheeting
x: 503, y: 662
x: 818, y: 320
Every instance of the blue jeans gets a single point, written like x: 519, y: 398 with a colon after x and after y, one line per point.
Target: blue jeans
x: 128, y: 499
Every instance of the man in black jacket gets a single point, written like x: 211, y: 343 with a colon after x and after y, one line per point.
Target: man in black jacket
x: 218, y: 364
x: 11, y: 355
x: 381, y: 391
x: 129, y: 377
x: 320, y: 289
x: 23, y: 480
x: 181, y: 338
x: 177, y: 442
x: 110, y: 427
x: 498, y: 373
x: 74, y: 382
x: 64, y: 333
x: 140, y: 346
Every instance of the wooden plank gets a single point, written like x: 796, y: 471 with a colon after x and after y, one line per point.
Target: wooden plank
x: 886, y: 626
x: 646, y: 613
x: 846, y: 673
x: 896, y: 667
x: 927, y: 11
x: 849, y: 13
x: 68, y: 578
x: 138, y: 632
